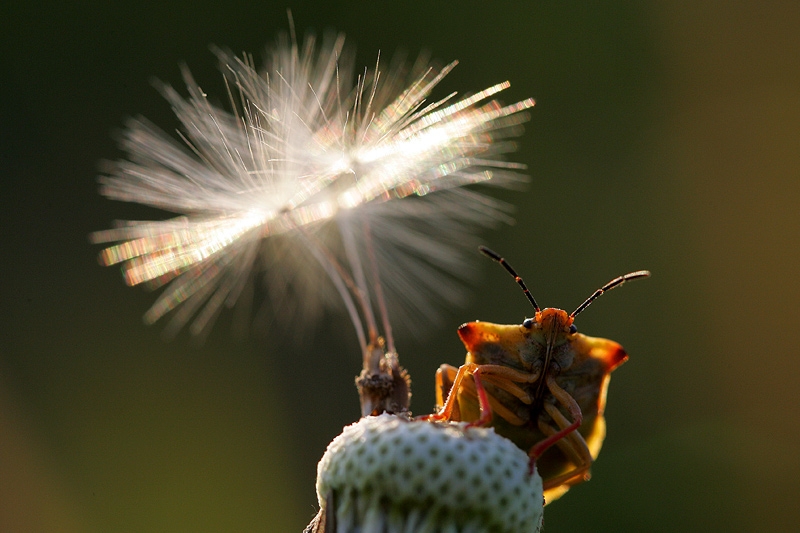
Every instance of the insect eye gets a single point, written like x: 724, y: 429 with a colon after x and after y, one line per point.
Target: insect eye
x: 573, y: 328
x: 527, y: 323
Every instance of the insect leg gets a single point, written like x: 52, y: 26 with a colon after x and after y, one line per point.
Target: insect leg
x: 496, y: 371
x: 510, y: 387
x: 445, y: 375
x: 497, y: 406
x: 483, y: 401
x: 567, y: 401
x: 452, y: 383
x: 573, y: 445
x: 446, y: 413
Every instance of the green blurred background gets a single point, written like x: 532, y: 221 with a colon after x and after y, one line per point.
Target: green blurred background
x: 666, y: 136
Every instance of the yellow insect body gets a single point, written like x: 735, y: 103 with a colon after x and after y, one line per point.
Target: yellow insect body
x: 581, y: 367
x: 541, y: 384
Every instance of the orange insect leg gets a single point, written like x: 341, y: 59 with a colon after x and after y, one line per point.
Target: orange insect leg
x: 573, y: 445
x: 501, y: 376
x: 498, y: 374
x: 567, y: 401
x: 497, y: 407
x: 447, y: 409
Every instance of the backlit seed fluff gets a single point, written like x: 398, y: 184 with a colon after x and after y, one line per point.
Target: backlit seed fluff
x: 307, y: 153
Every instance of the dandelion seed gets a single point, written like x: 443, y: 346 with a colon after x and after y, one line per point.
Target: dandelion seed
x: 299, y: 164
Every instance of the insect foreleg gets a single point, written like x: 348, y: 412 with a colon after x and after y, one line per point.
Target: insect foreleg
x: 497, y: 371
x: 446, y: 411
x: 444, y: 384
x: 502, y: 377
x: 497, y: 406
x: 509, y: 386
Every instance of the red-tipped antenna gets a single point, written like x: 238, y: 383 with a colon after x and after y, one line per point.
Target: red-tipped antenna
x: 488, y: 253
x: 616, y: 282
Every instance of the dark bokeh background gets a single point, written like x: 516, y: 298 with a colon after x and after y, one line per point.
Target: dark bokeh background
x: 665, y: 136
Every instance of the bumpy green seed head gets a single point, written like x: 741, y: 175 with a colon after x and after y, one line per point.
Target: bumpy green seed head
x: 389, y: 474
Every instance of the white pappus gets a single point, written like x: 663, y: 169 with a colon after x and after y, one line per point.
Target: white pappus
x: 308, y: 159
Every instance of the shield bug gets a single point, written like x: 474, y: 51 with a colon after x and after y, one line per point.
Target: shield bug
x: 539, y: 384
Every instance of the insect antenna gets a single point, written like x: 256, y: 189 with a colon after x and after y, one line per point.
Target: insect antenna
x: 492, y: 255
x: 616, y: 282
